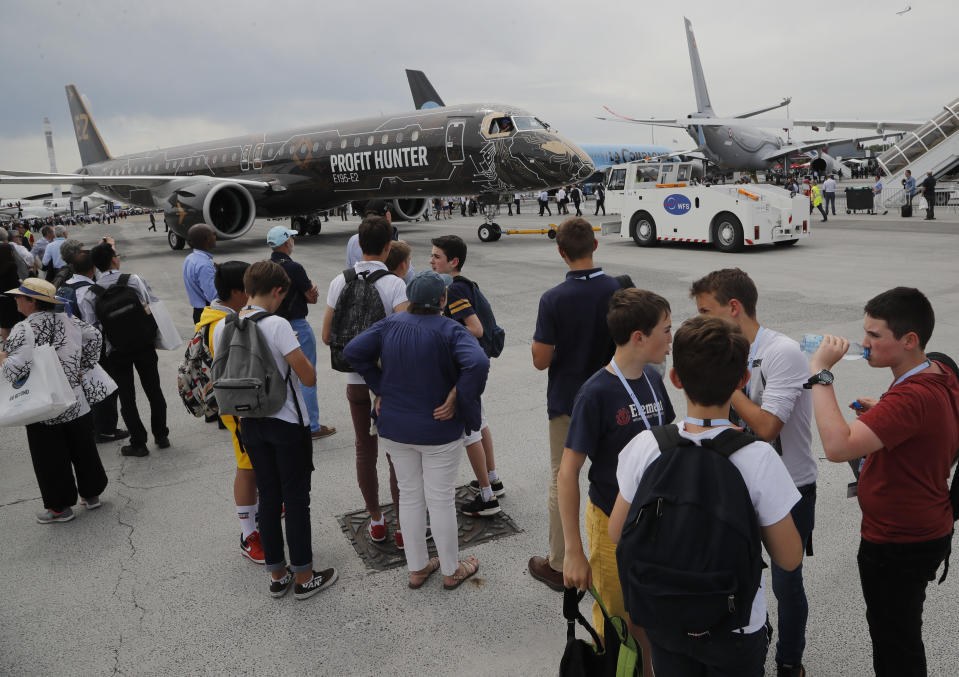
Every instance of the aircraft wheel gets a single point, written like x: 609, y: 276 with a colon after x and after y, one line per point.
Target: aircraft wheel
x: 728, y: 233
x: 497, y: 231
x: 551, y: 234
x: 785, y: 243
x: 642, y: 228
x: 485, y: 233
x: 298, y: 223
x: 175, y: 241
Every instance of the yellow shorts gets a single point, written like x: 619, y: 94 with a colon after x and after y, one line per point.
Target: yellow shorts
x: 602, y: 560
x: 242, y: 459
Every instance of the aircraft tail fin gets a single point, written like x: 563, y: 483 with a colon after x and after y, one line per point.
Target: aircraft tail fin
x: 699, y: 80
x: 424, y: 96
x: 92, y: 148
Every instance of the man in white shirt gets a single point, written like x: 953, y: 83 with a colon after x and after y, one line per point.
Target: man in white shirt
x: 561, y: 201
x: 775, y: 407
x: 829, y: 193
x: 543, y: 198
x: 374, y: 238
x: 877, y: 202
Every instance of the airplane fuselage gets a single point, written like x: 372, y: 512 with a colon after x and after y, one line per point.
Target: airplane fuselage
x: 737, y: 148
x: 431, y: 152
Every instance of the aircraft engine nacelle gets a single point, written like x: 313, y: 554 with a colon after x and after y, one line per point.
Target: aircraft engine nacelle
x: 825, y: 163
x: 227, y: 207
x: 402, y: 209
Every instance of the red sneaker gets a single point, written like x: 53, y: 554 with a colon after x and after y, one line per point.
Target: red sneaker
x: 377, y: 532
x: 398, y: 537
x: 252, y: 548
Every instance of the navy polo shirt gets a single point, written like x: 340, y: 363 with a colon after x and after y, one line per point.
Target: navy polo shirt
x: 294, y: 304
x: 572, y: 319
x: 604, y: 421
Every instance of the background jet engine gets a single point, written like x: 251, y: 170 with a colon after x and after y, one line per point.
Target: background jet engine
x: 824, y: 163
x: 227, y: 207
x: 402, y: 209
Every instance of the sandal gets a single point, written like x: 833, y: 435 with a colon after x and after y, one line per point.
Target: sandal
x: 466, y: 568
x: 433, y: 565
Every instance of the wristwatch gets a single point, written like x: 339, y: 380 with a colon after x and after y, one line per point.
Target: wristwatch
x: 824, y: 378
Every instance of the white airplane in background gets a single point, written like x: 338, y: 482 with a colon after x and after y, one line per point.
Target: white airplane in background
x: 740, y: 144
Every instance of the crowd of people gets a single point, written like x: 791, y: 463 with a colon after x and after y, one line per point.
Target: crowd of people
x: 600, y: 339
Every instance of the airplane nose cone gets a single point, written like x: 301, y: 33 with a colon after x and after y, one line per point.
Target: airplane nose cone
x: 571, y: 163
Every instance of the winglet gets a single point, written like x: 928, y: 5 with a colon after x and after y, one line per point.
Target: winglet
x: 424, y: 96
x: 92, y: 148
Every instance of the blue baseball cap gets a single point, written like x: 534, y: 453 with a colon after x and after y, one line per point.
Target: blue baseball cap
x: 278, y: 235
x: 426, y: 289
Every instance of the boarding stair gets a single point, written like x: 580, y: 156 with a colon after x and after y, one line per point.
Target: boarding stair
x: 932, y: 147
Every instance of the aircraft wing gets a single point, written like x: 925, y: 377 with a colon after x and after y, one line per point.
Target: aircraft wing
x: 132, y: 180
x: 803, y: 146
x: 652, y: 121
x: 827, y: 124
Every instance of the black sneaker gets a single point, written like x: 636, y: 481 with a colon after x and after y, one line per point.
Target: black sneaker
x: 480, y: 508
x: 163, y: 443
x: 138, y: 450
x: 115, y: 436
x: 496, y: 486
x: 790, y: 670
x: 279, y: 588
x: 321, y: 581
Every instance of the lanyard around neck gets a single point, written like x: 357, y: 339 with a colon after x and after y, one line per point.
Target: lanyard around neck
x: 632, y: 395
x: 588, y: 276
x: 708, y: 422
x: 251, y: 307
x: 912, y: 372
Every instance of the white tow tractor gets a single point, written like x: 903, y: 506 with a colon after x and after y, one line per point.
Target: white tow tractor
x: 667, y: 202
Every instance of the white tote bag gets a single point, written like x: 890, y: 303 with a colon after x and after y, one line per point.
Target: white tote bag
x: 44, y: 394
x: 168, y: 338
x: 97, y: 385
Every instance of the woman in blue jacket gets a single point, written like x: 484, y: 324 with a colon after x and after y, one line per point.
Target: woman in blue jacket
x: 427, y: 373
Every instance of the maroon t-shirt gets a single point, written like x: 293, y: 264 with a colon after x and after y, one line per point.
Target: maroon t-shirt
x: 904, y: 487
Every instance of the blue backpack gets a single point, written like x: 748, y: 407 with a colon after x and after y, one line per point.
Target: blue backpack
x: 494, y: 336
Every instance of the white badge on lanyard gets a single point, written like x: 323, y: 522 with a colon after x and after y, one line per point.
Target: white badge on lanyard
x: 632, y: 395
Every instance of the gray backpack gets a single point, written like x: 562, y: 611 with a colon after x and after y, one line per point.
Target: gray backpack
x: 244, y: 374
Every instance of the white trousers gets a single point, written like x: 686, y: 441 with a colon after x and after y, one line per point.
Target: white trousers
x: 427, y: 478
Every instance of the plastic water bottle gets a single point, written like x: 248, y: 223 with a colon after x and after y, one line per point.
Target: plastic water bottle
x: 810, y: 344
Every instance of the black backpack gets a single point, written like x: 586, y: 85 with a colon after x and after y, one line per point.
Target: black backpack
x: 123, y: 319
x: 494, y: 337
x: 68, y: 292
x: 690, y: 556
x: 357, y: 309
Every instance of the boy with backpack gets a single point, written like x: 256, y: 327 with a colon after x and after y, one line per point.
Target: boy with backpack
x: 257, y: 373
x: 122, y: 312
x: 695, y: 503
x: 617, y: 403
x: 359, y: 297
x: 194, y: 381
x: 467, y: 305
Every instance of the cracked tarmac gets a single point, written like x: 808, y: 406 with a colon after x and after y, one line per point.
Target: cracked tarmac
x: 153, y: 582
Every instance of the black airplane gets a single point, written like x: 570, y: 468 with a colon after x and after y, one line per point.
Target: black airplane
x: 470, y: 149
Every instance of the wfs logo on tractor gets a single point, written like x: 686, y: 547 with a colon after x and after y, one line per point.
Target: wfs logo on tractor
x: 677, y: 204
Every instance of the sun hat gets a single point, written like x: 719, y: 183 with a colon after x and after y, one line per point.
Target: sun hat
x: 37, y: 289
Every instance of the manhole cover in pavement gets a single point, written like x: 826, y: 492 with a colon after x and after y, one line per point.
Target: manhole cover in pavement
x: 385, y: 555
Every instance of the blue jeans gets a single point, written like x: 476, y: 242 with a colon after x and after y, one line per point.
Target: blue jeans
x: 304, y: 334
x: 789, y: 590
x: 282, y: 462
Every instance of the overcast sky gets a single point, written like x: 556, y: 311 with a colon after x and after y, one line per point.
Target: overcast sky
x: 157, y: 74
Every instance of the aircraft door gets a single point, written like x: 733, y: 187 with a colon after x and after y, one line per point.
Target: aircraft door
x: 257, y: 156
x: 245, y: 158
x: 455, y: 130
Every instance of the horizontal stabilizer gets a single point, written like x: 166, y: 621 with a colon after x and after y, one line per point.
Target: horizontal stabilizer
x: 651, y: 121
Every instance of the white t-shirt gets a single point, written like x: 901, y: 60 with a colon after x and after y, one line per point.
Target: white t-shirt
x: 354, y: 254
x: 770, y: 488
x: 392, y: 291
x: 786, y: 369
x: 282, y: 340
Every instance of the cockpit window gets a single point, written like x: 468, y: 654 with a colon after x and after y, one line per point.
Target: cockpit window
x: 527, y: 123
x: 501, y: 125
